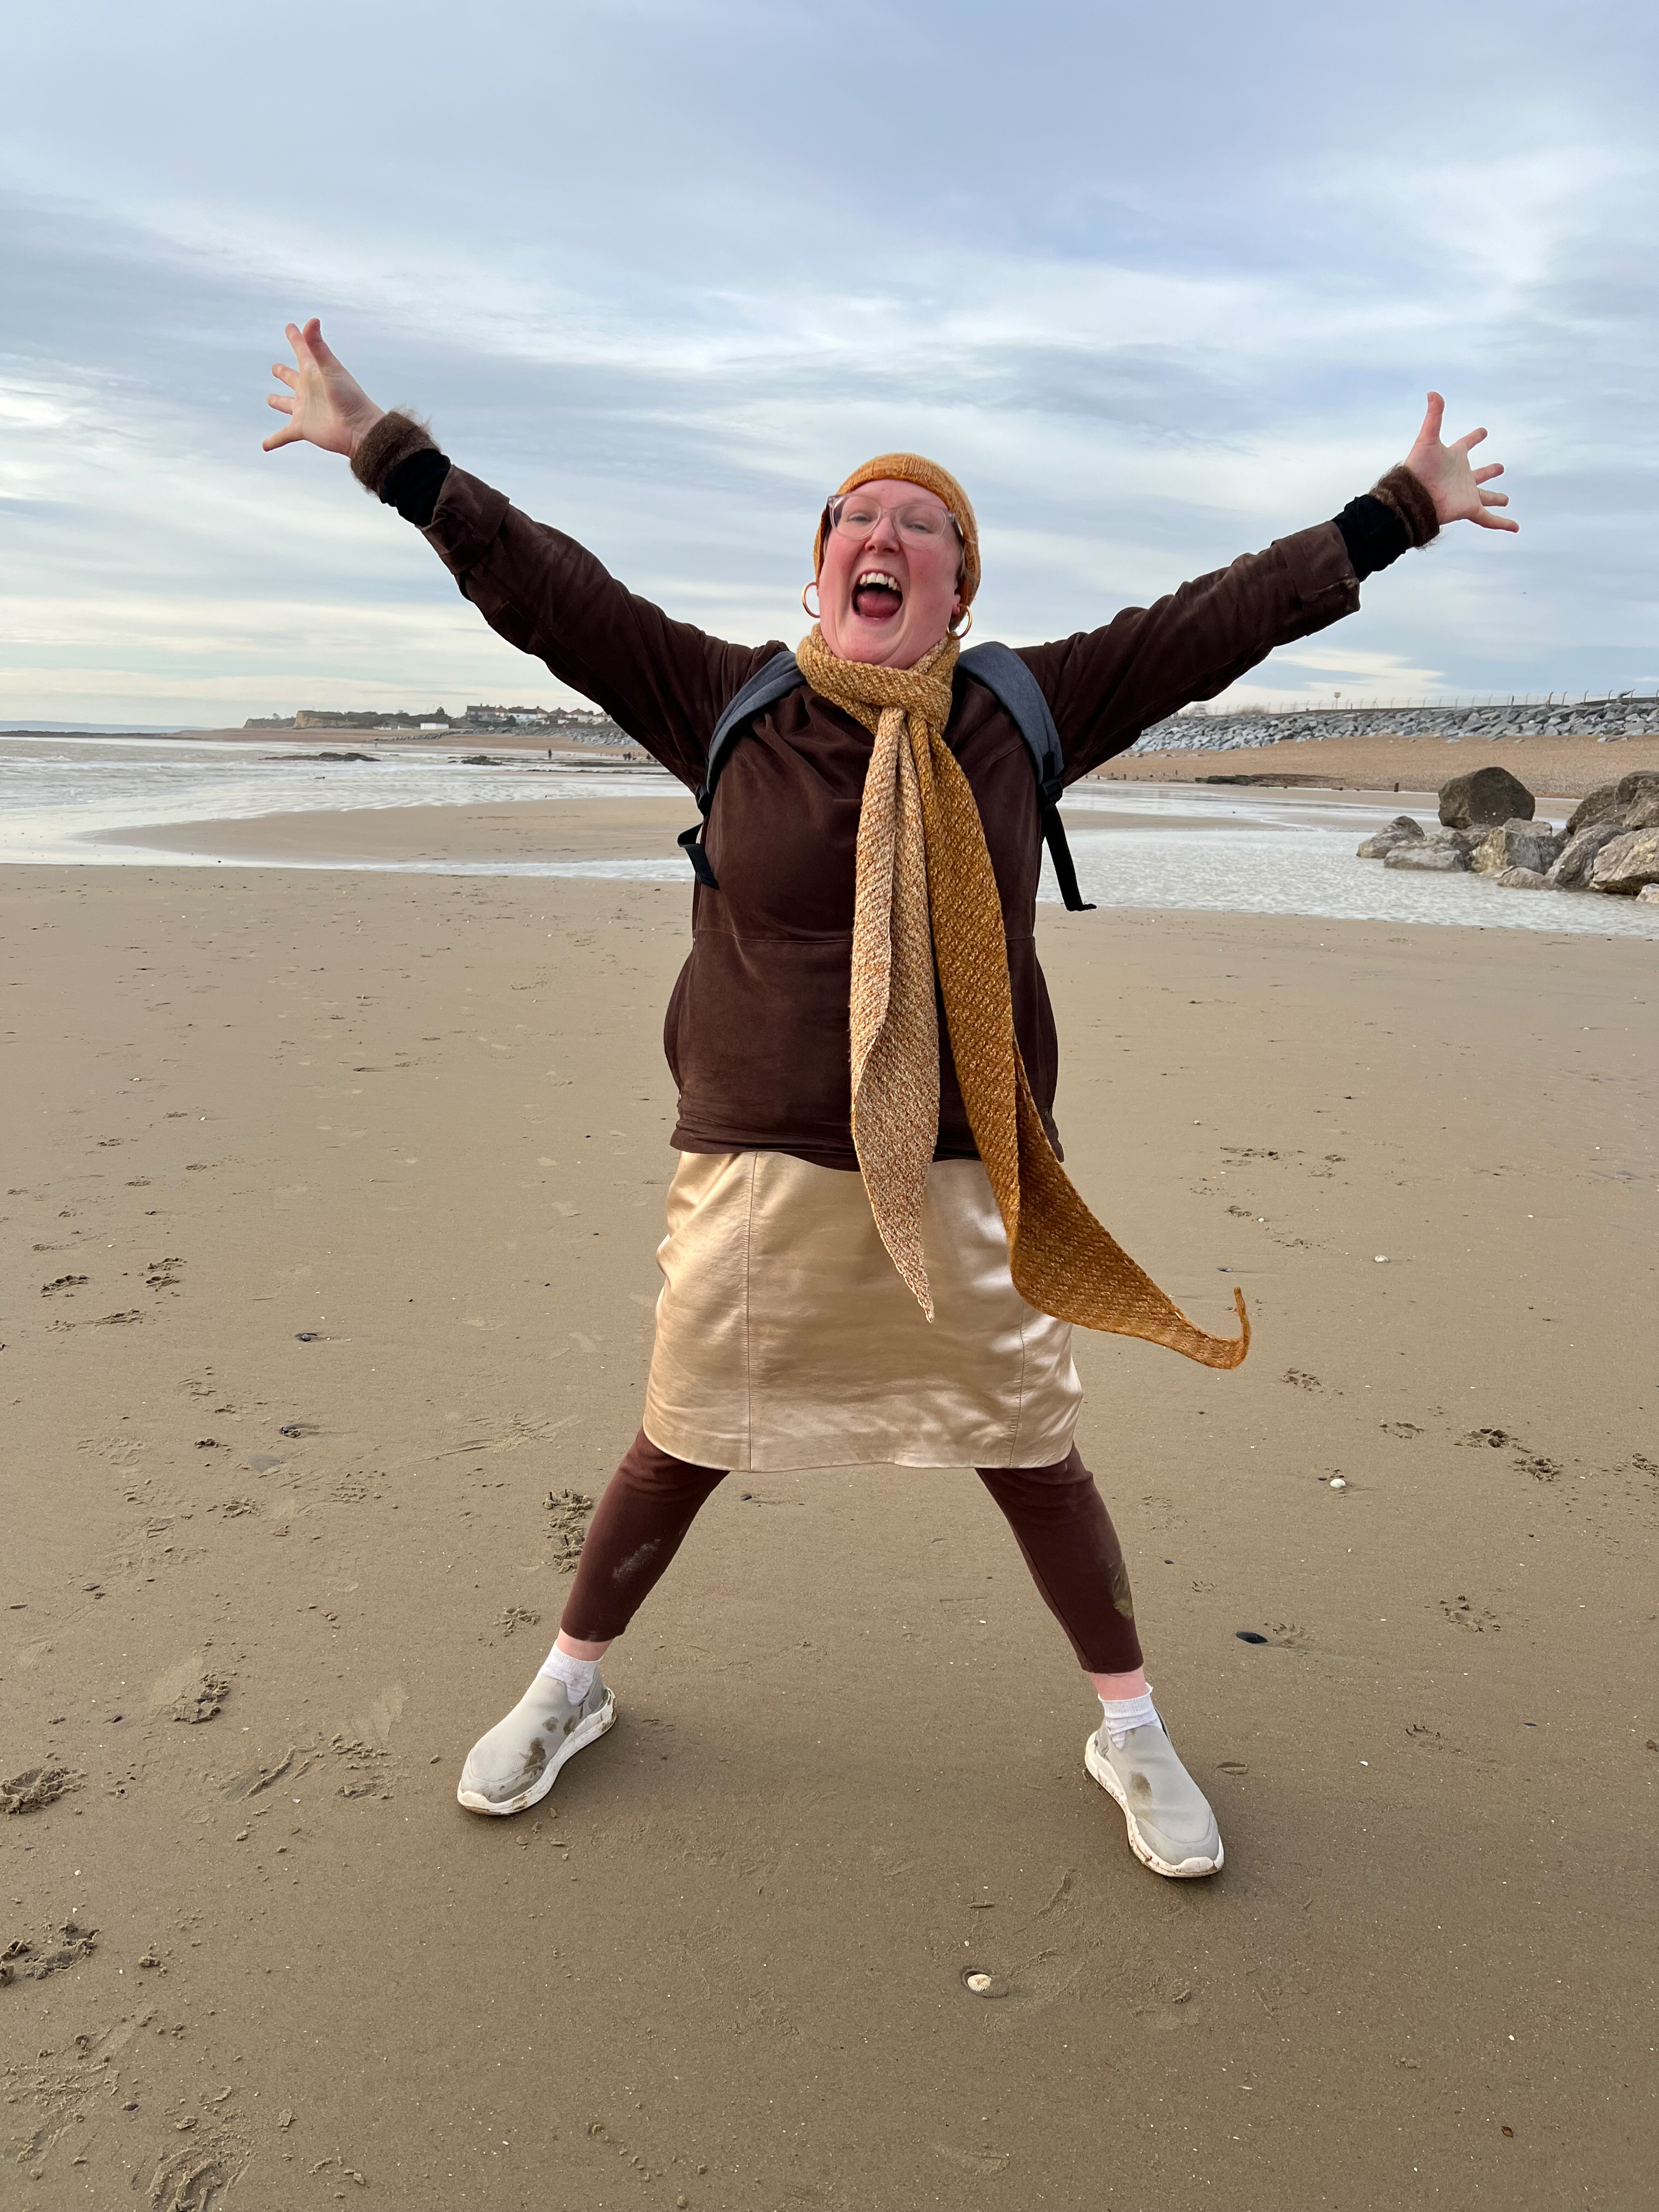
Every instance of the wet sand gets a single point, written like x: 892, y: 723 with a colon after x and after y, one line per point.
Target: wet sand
x: 523, y: 829
x: 331, y: 1210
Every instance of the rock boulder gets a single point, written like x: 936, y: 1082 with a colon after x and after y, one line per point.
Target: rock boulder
x: 1639, y: 788
x: 1404, y: 829
x: 1627, y: 864
x: 1531, y: 845
x: 1601, y: 805
x: 1522, y: 879
x: 1484, y: 800
x: 1642, y: 813
x: 1433, y: 859
x: 1570, y: 872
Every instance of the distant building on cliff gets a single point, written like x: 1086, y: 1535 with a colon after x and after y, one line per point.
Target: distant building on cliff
x: 585, y: 725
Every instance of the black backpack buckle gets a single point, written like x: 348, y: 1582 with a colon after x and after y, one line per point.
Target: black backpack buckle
x: 690, y: 843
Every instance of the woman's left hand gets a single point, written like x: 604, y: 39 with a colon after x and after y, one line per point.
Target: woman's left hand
x: 325, y: 403
x: 1444, y: 473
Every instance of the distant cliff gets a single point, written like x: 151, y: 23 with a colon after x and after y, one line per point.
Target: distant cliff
x: 578, y: 724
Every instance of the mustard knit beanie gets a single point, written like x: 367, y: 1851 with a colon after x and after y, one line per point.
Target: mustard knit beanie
x: 915, y: 468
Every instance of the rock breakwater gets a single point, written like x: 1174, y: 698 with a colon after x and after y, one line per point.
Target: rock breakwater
x: 1607, y: 720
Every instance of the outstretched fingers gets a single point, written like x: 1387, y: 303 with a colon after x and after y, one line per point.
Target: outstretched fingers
x: 1489, y: 502
x: 1450, y: 477
x: 284, y: 402
x: 310, y: 355
x: 323, y: 354
x: 325, y: 405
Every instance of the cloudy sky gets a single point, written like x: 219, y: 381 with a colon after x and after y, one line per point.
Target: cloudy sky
x: 1158, y: 283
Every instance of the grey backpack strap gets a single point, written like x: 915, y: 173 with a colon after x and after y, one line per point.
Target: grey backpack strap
x: 769, y: 683
x: 1007, y: 678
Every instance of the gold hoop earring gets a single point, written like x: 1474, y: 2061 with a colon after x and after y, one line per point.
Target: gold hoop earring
x: 812, y: 614
x: 967, y: 623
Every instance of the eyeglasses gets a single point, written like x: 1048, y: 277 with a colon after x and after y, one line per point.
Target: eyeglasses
x: 853, y: 515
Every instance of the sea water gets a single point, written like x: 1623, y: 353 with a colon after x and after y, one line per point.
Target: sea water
x: 68, y: 801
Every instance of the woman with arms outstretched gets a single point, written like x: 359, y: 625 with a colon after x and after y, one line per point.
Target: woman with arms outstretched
x: 873, y: 1253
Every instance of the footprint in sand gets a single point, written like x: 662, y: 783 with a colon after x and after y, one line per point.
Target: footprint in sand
x: 567, y: 1511
x: 1049, y: 1954
x: 1463, y: 1614
x: 1168, y: 2000
x: 36, y: 1788
x: 1538, y: 1466
x: 384, y: 1714
x: 198, y: 2178
x: 369, y: 1767
x: 68, y: 1943
x: 1427, y: 1738
x: 188, y: 1690
x: 204, y: 1701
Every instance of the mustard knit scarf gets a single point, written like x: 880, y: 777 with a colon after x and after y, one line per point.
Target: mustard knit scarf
x: 926, y: 893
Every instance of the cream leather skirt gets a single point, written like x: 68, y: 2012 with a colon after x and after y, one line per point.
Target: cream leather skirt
x: 784, y: 1338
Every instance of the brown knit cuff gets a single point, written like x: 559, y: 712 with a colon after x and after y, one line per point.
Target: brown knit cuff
x: 1409, y: 498
x: 393, y: 439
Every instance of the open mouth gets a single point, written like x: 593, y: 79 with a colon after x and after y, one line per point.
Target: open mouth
x: 877, y: 595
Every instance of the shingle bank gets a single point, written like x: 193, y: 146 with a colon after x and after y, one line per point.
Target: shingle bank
x: 1605, y: 719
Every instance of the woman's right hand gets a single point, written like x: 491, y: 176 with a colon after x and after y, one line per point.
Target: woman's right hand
x: 325, y: 403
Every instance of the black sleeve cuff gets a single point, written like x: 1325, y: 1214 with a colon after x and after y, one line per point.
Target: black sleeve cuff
x: 414, y: 484
x: 1374, y: 533
x: 1396, y: 513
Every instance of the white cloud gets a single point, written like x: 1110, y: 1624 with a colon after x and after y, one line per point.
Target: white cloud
x: 665, y: 272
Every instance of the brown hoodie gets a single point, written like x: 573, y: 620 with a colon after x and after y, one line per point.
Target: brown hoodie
x: 757, y: 1032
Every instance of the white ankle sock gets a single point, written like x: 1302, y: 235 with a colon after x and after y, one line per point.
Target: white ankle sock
x: 576, y: 1675
x: 1123, y: 1714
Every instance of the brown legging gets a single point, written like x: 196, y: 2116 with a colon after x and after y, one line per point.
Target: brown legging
x: 1059, y: 1519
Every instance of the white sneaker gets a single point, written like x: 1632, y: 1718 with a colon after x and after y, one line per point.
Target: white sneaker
x: 518, y: 1762
x: 1171, y: 1827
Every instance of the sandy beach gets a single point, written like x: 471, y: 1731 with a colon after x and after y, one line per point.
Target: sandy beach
x: 332, y: 1203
